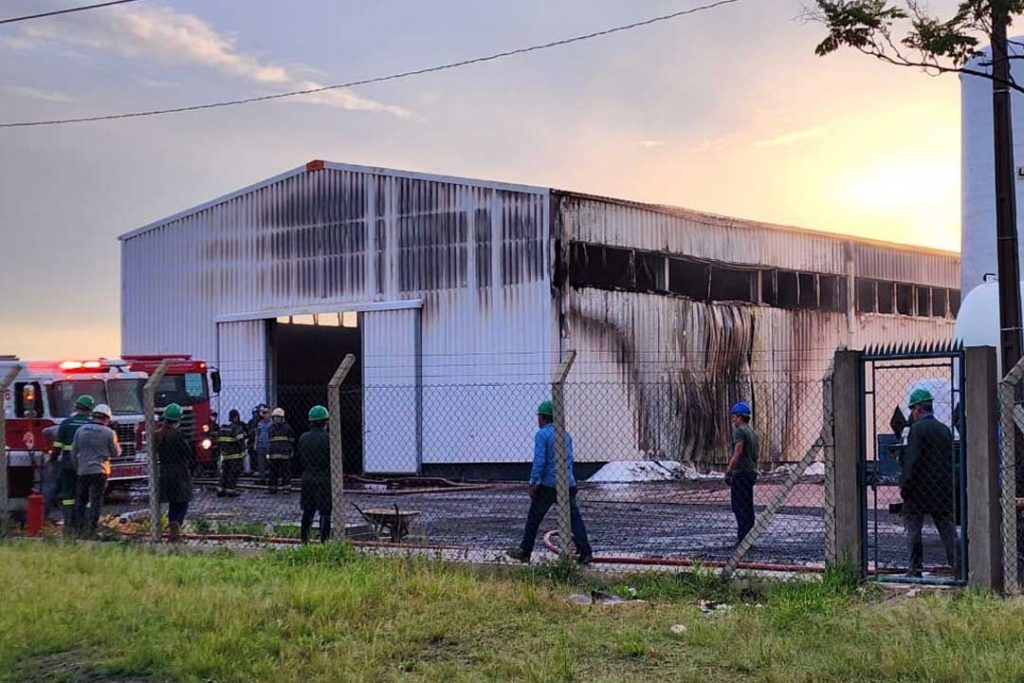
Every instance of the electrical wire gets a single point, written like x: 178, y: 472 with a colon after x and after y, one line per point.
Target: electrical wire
x: 378, y: 79
x: 69, y: 10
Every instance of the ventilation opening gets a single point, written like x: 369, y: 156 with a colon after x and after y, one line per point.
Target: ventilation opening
x: 730, y: 284
x: 601, y: 267
x: 688, y: 278
x: 787, y: 289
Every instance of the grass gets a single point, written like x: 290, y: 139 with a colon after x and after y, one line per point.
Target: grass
x: 111, y: 612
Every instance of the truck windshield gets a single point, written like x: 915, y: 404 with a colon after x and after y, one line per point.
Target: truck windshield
x: 185, y: 390
x: 125, y: 396
x: 64, y: 393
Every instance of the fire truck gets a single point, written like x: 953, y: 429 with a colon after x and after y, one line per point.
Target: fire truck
x: 187, y: 382
x: 43, y: 393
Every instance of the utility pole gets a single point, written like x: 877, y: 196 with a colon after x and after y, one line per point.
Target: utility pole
x: 1006, y: 203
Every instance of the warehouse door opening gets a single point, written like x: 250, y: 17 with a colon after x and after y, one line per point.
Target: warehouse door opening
x: 306, y: 351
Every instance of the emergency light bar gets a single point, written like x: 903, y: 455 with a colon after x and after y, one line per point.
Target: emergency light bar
x: 72, y: 365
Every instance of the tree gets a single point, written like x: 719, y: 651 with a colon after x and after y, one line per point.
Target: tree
x: 934, y: 45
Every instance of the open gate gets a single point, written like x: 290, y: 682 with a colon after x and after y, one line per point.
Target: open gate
x: 911, y: 476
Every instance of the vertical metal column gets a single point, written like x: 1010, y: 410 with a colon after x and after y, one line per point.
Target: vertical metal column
x: 337, y: 453
x: 149, y: 406
x: 5, y: 511
x: 565, y: 543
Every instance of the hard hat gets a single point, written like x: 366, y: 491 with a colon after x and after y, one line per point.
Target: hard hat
x: 546, y: 408
x: 172, y: 413
x: 741, y: 408
x: 234, y: 415
x: 263, y: 408
x: 102, y: 410
x: 85, y: 401
x: 318, y: 414
x: 919, y: 396
x: 277, y: 412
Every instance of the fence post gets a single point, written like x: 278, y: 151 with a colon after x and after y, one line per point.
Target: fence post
x: 982, y: 470
x: 5, y: 511
x: 1008, y: 429
x: 842, y: 473
x: 565, y: 543
x: 338, y: 515
x: 149, y: 406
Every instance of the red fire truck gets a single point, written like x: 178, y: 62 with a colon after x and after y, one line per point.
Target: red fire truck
x: 43, y: 393
x: 187, y: 382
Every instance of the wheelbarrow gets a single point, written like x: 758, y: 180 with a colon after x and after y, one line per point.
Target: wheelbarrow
x: 388, y: 523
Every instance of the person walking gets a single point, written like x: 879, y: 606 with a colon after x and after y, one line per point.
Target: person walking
x: 231, y: 444
x: 926, y: 482
x: 544, y: 493
x: 741, y: 472
x: 314, y: 455
x: 177, y: 459
x: 94, y: 446
x: 67, y: 475
x: 279, y: 453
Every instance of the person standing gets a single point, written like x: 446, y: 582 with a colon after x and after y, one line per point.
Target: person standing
x: 176, y: 458
x: 261, y: 441
x: 231, y: 444
x: 741, y: 472
x: 279, y: 454
x: 314, y: 454
x: 926, y: 481
x: 544, y: 493
x: 67, y: 475
x: 94, y: 446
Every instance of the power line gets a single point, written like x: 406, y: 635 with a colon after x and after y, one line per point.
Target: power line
x: 378, y: 79
x: 69, y: 10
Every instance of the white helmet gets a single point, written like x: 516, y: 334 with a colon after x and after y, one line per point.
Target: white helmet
x: 277, y: 412
x: 102, y: 410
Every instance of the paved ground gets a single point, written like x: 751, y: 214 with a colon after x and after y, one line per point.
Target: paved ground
x: 679, y: 519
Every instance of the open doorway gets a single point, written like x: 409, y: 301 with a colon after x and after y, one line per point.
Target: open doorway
x: 305, y: 352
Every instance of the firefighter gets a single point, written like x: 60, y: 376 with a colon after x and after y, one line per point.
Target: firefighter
x: 543, y: 493
x: 314, y: 454
x: 231, y: 444
x: 67, y: 477
x: 177, y: 458
x: 926, y: 481
x: 741, y: 472
x: 279, y: 452
x: 259, y: 429
x: 94, y: 446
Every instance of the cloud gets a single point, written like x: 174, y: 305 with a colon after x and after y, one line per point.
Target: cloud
x: 168, y: 37
x: 38, y: 94
x: 787, y: 139
x: 651, y: 144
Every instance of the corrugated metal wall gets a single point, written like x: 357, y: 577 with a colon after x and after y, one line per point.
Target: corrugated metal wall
x: 241, y: 359
x: 392, y: 396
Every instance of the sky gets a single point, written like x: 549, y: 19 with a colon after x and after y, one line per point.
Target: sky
x: 727, y: 111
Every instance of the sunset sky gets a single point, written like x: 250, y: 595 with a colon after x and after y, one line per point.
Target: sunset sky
x: 727, y: 111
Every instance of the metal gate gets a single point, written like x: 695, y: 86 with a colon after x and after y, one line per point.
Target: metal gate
x: 912, y: 476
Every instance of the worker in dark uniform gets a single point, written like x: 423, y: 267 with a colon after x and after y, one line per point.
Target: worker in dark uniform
x: 177, y: 459
x: 741, y: 472
x: 279, y: 452
x: 314, y: 454
x: 926, y: 481
x: 231, y: 444
x: 67, y: 476
x: 543, y: 490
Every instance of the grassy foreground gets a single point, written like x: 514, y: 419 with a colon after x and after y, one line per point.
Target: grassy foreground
x: 114, y: 613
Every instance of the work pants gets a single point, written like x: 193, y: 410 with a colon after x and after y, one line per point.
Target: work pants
x: 176, y: 512
x: 541, y: 502
x: 68, y: 492
x: 914, y: 523
x: 91, y: 488
x: 280, y: 474
x: 742, y: 499
x: 230, y: 469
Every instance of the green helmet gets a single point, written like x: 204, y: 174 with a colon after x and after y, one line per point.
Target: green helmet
x: 919, y: 396
x: 85, y: 402
x: 318, y: 414
x: 172, y: 413
x: 546, y: 408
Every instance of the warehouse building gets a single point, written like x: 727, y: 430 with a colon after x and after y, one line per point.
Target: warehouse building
x: 459, y: 296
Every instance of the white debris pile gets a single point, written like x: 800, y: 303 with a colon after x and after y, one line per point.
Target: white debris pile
x: 604, y: 600
x: 634, y: 471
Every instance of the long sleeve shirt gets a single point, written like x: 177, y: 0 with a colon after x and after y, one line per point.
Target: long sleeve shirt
x: 544, y: 457
x: 93, y: 448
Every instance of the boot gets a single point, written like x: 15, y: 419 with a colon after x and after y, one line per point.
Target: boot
x: 175, y: 533
x: 68, y: 514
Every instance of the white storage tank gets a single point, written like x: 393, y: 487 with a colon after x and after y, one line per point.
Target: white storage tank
x: 977, y: 189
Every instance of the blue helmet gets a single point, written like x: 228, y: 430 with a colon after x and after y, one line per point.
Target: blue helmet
x: 741, y: 408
